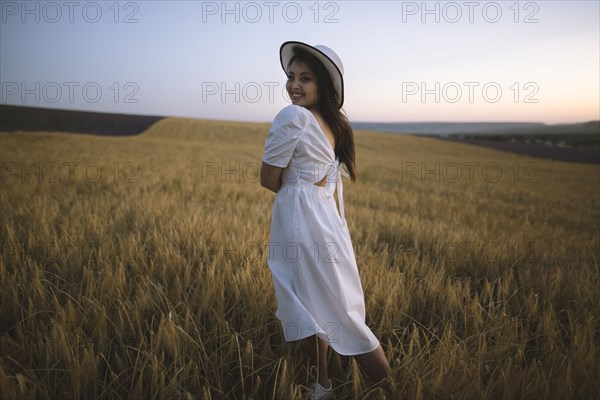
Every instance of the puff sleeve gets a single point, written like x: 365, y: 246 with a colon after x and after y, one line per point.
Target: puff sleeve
x: 286, y: 130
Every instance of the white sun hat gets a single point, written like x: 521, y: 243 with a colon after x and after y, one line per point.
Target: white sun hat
x: 328, y: 58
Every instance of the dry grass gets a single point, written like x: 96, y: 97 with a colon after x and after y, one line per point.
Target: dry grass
x: 153, y: 283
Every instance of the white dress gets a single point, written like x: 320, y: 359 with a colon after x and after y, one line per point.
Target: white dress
x: 310, y: 253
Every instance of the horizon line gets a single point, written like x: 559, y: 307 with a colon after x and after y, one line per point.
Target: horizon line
x: 269, y: 121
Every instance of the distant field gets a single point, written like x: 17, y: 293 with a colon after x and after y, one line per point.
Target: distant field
x: 561, y: 142
x: 20, y: 118
x: 135, y: 267
x: 583, y: 154
x: 521, y: 130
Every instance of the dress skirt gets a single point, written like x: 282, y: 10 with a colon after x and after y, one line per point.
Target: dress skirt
x: 314, y: 271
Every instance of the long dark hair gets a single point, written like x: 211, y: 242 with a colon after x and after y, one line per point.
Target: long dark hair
x: 327, y: 105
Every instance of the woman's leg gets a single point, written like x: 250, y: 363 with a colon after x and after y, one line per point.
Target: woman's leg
x: 317, y: 352
x: 374, y: 364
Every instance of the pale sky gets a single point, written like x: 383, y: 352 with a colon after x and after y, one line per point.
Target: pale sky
x: 404, y: 61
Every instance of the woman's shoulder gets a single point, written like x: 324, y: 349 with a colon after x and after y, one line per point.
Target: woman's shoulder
x: 292, y: 114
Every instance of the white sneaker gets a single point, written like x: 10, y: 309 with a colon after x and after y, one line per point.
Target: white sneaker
x: 320, y: 393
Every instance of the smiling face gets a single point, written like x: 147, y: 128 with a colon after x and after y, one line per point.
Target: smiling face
x: 302, y: 85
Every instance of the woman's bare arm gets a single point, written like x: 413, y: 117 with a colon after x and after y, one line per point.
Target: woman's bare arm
x: 270, y: 177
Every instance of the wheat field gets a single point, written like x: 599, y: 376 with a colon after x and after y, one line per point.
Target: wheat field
x: 135, y: 267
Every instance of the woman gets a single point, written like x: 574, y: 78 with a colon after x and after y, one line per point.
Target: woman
x: 317, y: 285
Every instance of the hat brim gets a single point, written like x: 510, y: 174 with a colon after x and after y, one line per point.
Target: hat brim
x: 286, y: 52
